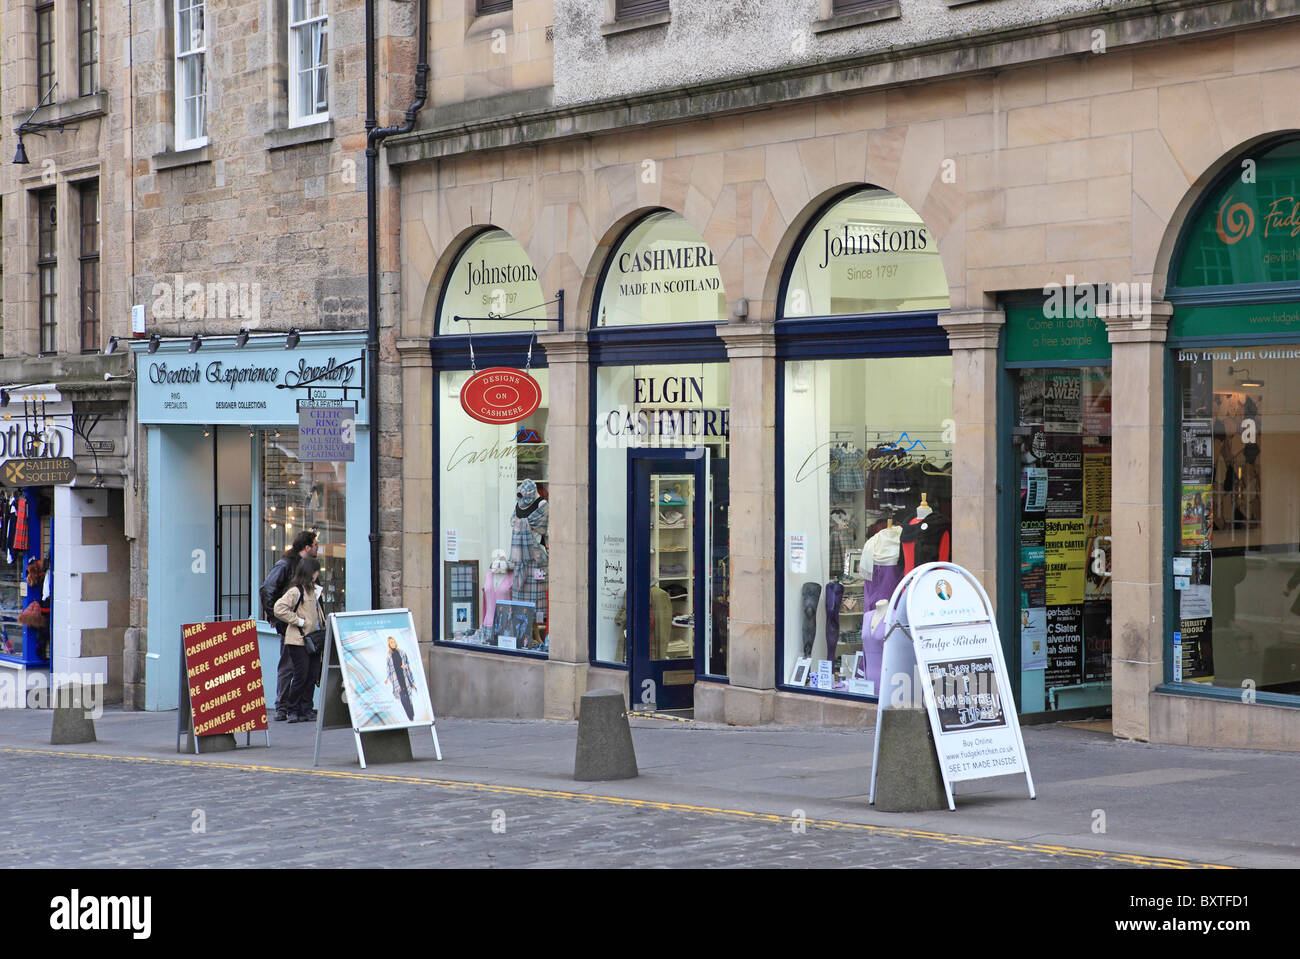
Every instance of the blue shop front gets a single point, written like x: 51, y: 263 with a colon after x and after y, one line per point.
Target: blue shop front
x: 230, y: 478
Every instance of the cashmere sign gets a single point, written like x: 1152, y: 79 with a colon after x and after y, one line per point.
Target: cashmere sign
x: 500, y: 395
x: 223, y: 672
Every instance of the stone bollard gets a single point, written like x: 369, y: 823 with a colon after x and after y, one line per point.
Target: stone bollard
x: 909, y: 779
x: 72, y: 722
x: 605, y: 748
x: 387, y: 746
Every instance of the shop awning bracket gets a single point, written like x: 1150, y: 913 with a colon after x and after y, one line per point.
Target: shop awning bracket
x: 344, y: 389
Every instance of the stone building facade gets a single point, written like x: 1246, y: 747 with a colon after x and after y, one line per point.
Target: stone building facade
x: 1071, y: 148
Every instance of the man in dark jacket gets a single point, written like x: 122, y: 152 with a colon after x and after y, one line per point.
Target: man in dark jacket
x: 276, y: 584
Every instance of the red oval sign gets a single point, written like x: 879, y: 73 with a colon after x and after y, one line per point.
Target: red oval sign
x: 500, y: 395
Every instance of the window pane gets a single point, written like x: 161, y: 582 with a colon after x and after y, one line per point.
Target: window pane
x: 501, y: 557
x: 304, y: 496
x: 868, y: 484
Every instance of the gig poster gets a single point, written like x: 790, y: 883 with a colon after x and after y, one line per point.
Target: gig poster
x: 1029, y: 397
x: 1198, y: 453
x: 1096, y: 483
x: 1062, y: 409
x: 1197, y: 650
x: 1066, y: 540
x: 1195, y: 601
x: 1064, y: 646
x: 1098, y: 558
x: 1197, y: 517
x: 1096, y: 402
x: 1033, y: 638
x: 1064, y: 462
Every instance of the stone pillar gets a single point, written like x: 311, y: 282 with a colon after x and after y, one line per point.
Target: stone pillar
x: 419, y: 538
x: 1137, y: 513
x: 973, y: 337
x: 569, y: 438
x: 750, y: 699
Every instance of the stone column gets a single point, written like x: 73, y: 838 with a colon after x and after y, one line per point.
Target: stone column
x: 1137, y: 512
x: 750, y: 699
x: 973, y: 337
x: 419, y: 539
x: 568, y: 461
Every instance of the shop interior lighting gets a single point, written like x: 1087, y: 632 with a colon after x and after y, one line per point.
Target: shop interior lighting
x: 241, y: 338
x: 155, y: 341
x: 112, y: 346
x: 1246, y: 378
x: 291, y: 340
x: 196, y: 341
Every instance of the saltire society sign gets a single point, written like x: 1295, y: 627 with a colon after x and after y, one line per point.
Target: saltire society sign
x: 223, y: 670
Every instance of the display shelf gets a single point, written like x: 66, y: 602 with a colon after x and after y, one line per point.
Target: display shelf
x: 677, y: 542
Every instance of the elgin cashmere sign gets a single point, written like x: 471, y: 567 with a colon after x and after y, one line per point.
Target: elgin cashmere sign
x: 223, y: 670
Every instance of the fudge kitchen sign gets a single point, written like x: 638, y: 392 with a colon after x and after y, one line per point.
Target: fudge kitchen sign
x: 500, y: 395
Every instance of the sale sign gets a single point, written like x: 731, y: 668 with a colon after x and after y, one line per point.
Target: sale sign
x: 223, y: 670
x: 500, y: 395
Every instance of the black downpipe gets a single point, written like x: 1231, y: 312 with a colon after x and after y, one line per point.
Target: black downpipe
x: 375, y: 135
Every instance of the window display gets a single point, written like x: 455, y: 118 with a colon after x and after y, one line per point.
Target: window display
x: 1237, y: 614
x: 868, y: 493
x: 668, y: 406
x: 494, y: 522
x: 1062, y: 448
x: 298, y: 496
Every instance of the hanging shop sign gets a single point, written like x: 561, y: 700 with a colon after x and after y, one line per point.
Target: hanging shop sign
x: 55, y: 471
x: 327, y: 433
x: 1063, y: 327
x: 500, y: 395
x: 223, y: 677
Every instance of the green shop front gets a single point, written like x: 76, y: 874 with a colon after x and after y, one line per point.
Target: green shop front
x: 230, y: 477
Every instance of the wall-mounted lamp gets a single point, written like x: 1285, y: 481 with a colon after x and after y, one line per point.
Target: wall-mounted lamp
x: 112, y: 346
x: 1246, y: 379
x: 291, y: 341
x: 37, y: 127
x: 4, y: 397
x: 241, y: 338
x: 155, y: 341
x: 196, y: 341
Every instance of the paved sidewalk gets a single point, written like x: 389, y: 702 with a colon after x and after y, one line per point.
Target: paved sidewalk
x: 1214, y: 806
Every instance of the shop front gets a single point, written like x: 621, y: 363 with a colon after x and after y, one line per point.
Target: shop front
x: 248, y: 441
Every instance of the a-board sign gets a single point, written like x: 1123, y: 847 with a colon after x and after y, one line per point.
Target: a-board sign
x: 223, y: 672
x: 377, y: 653
x: 955, y: 655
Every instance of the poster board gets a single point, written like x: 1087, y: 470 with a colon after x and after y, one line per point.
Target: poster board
x: 950, y: 644
x: 221, y: 681
x: 372, y: 661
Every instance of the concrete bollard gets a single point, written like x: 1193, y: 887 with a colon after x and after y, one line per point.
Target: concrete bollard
x: 72, y: 724
x: 909, y: 779
x: 605, y: 748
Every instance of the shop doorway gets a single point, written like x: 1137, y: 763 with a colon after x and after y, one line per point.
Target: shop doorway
x: 669, y: 611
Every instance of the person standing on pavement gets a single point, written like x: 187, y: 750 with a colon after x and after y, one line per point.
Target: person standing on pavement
x: 299, y: 610
x: 277, y: 581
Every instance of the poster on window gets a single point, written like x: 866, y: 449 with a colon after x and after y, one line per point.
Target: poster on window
x: 1096, y: 642
x: 1029, y: 399
x: 1096, y: 483
x: 1096, y: 402
x: 1064, y: 462
x: 382, y: 671
x: 1198, y: 452
x: 1033, y: 638
x: 1195, y: 600
x: 1064, y: 646
x: 1033, y: 489
x: 1097, y: 572
x: 1062, y: 401
x: 1066, y: 552
x: 1033, y: 565
x: 1197, y: 517
x: 1196, y: 648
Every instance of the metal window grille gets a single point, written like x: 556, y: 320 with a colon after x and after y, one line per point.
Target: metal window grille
x: 47, y: 267
x: 625, y: 9
x: 483, y: 7
x: 89, y: 203
x: 234, y: 586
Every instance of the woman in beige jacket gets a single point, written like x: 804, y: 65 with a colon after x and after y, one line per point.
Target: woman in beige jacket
x: 299, y: 608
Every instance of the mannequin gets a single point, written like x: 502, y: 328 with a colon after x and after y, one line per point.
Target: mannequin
x: 874, y: 629
x: 834, y: 597
x: 879, y: 568
x: 500, y: 585
x: 811, y: 593
x: 924, y: 509
x: 528, y: 551
x: 927, y: 538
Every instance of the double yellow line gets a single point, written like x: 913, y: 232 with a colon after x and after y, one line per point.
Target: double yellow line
x: 1096, y: 855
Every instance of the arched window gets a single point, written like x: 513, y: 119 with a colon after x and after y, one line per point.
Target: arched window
x: 662, y: 271
x: 492, y: 279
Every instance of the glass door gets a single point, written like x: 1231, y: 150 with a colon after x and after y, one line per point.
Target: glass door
x: 669, y: 594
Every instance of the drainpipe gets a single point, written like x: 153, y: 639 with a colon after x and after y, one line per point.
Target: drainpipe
x: 375, y: 135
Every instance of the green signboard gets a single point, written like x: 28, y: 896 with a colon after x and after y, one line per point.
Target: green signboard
x: 1248, y: 229
x: 1275, y: 318
x: 1062, y: 327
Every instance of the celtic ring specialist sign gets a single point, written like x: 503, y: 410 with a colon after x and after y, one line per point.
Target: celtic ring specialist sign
x: 51, y: 471
x: 500, y: 395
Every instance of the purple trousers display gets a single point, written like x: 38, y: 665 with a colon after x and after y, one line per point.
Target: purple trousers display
x: 881, y: 586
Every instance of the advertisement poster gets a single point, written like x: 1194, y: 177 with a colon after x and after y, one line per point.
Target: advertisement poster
x: 1096, y: 483
x: 1096, y: 642
x: 1066, y: 553
x: 798, y: 553
x: 1064, y: 646
x: 1033, y: 638
x: 1029, y: 399
x: 224, y: 671
x: 1195, y: 599
x: 1197, y: 650
x: 1197, y: 517
x: 1096, y: 402
x: 1033, y: 576
x: 1062, y: 401
x: 382, y: 671
x: 966, y: 693
x: 1198, y: 452
x: 1064, y: 462
x: 1033, y: 484
x: 1097, y: 575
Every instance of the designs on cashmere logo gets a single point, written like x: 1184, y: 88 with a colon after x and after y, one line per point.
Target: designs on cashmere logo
x: 1235, y: 222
